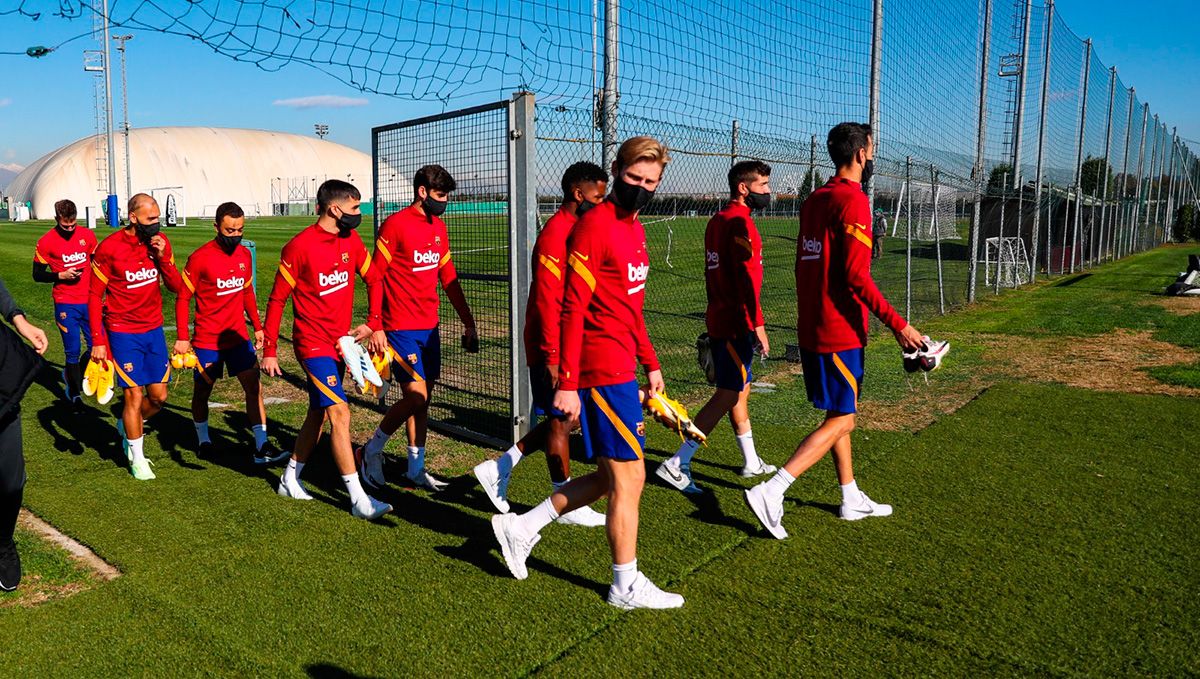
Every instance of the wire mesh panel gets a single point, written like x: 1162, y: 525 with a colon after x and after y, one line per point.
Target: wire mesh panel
x: 473, y: 397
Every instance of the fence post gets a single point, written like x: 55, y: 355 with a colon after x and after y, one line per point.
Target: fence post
x: 1049, y: 222
x: 980, y: 141
x: 1124, y: 194
x: 1000, y: 233
x: 1019, y: 121
x: 608, y: 112
x: 1171, y: 186
x: 1162, y: 153
x: 1150, y: 176
x: 1112, y: 84
x: 522, y: 215
x: 908, y: 239
x: 812, y: 165
x: 1037, y: 191
x: 1137, y: 208
x: 733, y: 143
x: 876, y: 78
x: 937, y: 238
x: 1076, y: 234
x: 1062, y: 260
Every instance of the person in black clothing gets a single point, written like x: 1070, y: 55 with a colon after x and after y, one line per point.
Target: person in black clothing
x: 21, y: 365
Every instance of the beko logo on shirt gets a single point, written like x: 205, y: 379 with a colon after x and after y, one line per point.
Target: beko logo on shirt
x: 638, y: 275
x: 137, y: 279
x: 812, y: 248
x: 712, y: 258
x: 426, y: 260
x: 74, y: 258
x: 228, y: 286
x: 337, y: 279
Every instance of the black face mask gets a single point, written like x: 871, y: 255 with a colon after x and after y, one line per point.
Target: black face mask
x: 868, y: 171
x: 583, y: 207
x: 433, y: 207
x: 147, y: 231
x: 630, y: 197
x: 228, y: 243
x: 758, y: 201
x: 65, y: 233
x: 347, y: 223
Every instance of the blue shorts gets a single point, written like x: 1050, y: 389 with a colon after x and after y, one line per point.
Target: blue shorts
x: 72, y: 321
x: 733, y: 360
x: 418, y: 355
x: 216, y: 363
x: 140, y: 357
x: 324, y: 381
x: 612, y: 421
x: 833, y: 380
x: 543, y: 392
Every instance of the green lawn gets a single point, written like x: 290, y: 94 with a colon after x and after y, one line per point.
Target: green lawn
x: 1040, y: 529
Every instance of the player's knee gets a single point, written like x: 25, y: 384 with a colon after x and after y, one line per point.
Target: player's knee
x: 157, y: 401
x: 339, y: 415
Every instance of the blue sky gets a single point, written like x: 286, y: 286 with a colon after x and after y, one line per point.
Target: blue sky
x: 47, y: 102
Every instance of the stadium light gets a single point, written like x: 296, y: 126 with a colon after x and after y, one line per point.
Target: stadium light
x: 321, y: 129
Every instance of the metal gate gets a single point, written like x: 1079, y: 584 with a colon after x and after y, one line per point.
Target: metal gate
x: 492, y: 223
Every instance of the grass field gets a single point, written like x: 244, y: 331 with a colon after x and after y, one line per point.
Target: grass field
x: 1042, y: 481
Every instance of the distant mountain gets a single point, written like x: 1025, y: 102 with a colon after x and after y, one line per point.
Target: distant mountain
x: 8, y: 173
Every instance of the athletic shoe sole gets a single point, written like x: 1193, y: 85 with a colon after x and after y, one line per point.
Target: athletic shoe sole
x: 765, y: 469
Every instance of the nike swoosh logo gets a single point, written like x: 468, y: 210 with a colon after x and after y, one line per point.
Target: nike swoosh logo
x: 288, y: 265
x: 581, y: 257
x: 556, y: 260
x: 674, y: 474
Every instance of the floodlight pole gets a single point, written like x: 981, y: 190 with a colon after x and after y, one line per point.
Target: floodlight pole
x: 876, y: 78
x: 1018, y: 122
x: 121, y: 39
x: 608, y: 122
x: 113, y: 219
x: 1041, y: 149
x: 980, y: 141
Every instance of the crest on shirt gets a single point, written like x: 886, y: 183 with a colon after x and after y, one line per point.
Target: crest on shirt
x: 412, y: 359
x: 437, y: 240
x: 345, y: 257
x: 82, y: 242
x: 331, y: 380
x: 241, y: 266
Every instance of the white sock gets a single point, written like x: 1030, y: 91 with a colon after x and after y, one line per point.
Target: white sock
x: 533, y: 521
x: 416, y: 460
x: 508, y: 460
x: 378, y: 440
x: 260, y: 436
x: 135, y: 449
x: 202, y: 432
x: 779, y: 483
x: 687, y: 450
x: 851, y: 495
x: 354, y: 487
x: 292, y: 473
x: 746, y: 445
x: 624, y: 575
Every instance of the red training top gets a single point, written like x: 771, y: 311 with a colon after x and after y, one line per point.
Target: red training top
x: 733, y: 273
x: 603, y: 332
x: 68, y: 252
x: 834, y: 289
x: 316, y: 269
x: 412, y: 253
x: 223, y: 286
x: 125, y: 296
x: 543, y: 313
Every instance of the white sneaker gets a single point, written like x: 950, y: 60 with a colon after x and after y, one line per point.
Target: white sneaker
x: 865, y: 508
x: 768, y: 509
x: 488, y: 474
x: 513, y: 548
x: 763, y: 468
x: 673, y: 475
x: 294, y: 490
x: 427, y: 481
x: 370, y: 509
x: 370, y: 468
x: 350, y: 356
x: 643, y: 594
x: 584, y: 516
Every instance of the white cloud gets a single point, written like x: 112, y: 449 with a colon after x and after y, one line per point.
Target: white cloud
x: 5, y: 102
x: 11, y: 167
x: 320, y: 101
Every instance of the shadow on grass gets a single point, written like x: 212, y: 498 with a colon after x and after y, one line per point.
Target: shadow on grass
x: 327, y: 671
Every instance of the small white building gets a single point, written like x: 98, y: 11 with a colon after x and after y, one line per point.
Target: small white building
x: 201, y: 167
